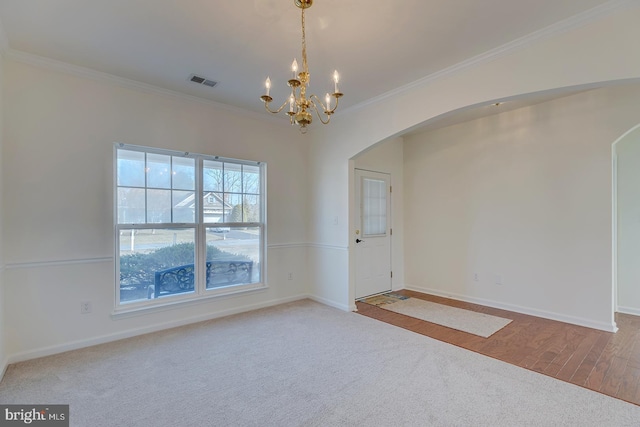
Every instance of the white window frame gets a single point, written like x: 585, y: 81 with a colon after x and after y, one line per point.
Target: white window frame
x: 199, y: 227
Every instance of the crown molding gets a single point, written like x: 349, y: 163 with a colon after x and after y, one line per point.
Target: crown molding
x: 560, y: 27
x: 91, y: 74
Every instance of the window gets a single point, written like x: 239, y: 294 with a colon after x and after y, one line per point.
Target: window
x: 187, y: 225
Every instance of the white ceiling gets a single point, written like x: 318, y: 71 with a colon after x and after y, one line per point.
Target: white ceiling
x: 376, y: 45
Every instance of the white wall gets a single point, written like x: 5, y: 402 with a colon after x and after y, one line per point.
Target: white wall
x: 388, y: 157
x: 628, y: 227
x: 524, y: 196
x: 58, y: 211
x: 593, y: 52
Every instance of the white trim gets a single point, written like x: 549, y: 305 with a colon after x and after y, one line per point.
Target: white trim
x: 608, y: 327
x: 560, y: 27
x: 74, y: 345
x: 629, y: 310
x: 88, y: 73
x: 614, y: 227
x: 40, y: 264
x: 330, y: 247
x: 287, y: 245
x: 614, y: 221
x: 53, y: 263
x: 331, y: 303
x: 152, y: 306
x: 3, y: 368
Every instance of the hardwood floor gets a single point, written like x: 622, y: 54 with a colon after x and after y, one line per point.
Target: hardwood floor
x: 598, y: 360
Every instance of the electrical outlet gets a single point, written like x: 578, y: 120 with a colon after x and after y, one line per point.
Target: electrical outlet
x: 498, y: 280
x: 290, y: 276
x: 85, y: 307
x: 475, y: 277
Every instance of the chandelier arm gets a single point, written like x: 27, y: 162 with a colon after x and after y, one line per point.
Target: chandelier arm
x: 315, y: 108
x: 266, y: 106
x: 324, y: 107
x: 319, y: 101
x: 333, y: 110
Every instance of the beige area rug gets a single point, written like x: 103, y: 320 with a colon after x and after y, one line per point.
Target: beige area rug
x: 480, y: 324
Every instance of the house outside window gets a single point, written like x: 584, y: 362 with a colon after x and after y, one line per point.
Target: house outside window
x: 188, y: 226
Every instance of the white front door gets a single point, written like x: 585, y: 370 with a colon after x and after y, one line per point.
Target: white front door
x: 372, y: 237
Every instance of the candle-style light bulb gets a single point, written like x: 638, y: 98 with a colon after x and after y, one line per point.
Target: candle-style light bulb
x: 267, y: 84
x: 294, y: 67
x: 328, y: 99
x: 336, y: 79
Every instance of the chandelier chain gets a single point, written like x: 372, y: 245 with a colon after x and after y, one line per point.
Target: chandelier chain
x: 305, y: 67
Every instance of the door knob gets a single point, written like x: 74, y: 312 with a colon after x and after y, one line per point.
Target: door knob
x: 358, y: 240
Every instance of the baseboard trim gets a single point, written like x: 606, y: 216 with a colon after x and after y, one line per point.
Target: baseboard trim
x: 3, y: 368
x: 330, y: 303
x: 75, y: 345
x: 628, y: 310
x: 519, y: 309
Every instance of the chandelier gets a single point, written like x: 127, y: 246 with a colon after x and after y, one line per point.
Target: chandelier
x: 301, y: 104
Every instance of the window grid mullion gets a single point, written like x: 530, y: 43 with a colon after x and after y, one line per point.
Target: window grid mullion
x: 241, y: 193
x: 171, y: 186
x: 146, y: 189
x: 201, y: 238
x: 224, y: 193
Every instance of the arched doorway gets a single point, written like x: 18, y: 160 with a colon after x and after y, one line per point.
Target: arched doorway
x: 626, y: 222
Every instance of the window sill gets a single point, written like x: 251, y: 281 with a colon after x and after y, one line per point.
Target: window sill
x: 124, y: 312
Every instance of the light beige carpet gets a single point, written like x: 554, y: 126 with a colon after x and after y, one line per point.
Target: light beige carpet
x: 301, y: 364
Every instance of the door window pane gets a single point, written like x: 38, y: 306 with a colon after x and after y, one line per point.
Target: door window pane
x: 374, y: 207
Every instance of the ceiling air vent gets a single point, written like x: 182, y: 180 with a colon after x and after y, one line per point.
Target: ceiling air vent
x: 202, y: 80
